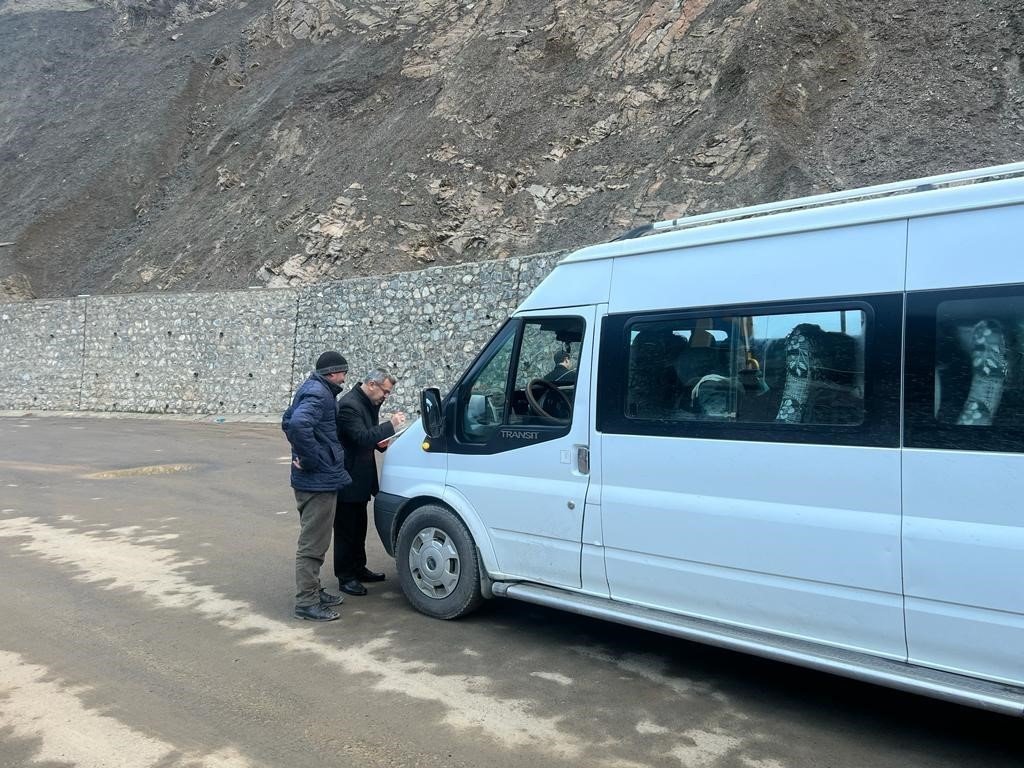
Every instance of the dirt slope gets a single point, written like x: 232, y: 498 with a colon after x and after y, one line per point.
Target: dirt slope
x: 216, y: 144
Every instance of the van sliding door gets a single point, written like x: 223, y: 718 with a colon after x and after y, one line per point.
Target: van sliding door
x: 750, y: 449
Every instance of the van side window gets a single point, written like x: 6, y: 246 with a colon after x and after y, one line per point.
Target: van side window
x: 545, y: 352
x: 545, y: 383
x: 797, y: 368
x: 965, y: 369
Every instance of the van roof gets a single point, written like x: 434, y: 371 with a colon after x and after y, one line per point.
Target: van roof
x: 964, y: 190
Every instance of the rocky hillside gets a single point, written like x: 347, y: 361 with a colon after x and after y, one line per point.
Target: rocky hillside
x: 225, y: 143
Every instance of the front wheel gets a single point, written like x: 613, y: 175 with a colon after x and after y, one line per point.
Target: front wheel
x: 438, y: 565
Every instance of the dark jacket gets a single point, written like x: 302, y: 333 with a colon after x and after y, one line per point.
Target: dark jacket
x: 360, y: 431
x: 561, y: 375
x: 311, y: 426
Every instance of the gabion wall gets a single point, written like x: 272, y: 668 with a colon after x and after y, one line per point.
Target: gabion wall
x: 424, y: 327
x: 225, y: 352
x: 41, y: 354
x: 238, y: 352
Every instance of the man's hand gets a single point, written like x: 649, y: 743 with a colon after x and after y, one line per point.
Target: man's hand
x: 398, y: 420
x: 296, y: 464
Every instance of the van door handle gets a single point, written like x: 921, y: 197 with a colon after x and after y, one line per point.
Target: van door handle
x: 583, y: 459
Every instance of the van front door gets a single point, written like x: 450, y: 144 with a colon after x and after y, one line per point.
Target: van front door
x: 519, y: 443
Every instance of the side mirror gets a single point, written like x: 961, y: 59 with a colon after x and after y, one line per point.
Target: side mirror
x: 430, y: 411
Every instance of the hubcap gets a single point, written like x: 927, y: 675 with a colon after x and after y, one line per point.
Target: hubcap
x: 434, y: 563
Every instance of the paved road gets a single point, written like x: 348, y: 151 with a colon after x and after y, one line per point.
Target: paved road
x: 145, y: 595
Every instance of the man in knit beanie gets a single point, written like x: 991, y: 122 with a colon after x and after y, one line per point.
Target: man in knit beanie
x: 318, y: 472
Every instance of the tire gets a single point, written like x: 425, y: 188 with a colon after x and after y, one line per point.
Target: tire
x: 438, y: 564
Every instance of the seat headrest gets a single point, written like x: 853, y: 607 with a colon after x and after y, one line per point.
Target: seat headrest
x: 694, y: 363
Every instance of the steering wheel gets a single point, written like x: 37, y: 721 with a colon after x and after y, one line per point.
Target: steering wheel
x: 535, y: 406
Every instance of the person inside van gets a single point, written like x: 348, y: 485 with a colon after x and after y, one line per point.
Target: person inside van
x: 563, y: 372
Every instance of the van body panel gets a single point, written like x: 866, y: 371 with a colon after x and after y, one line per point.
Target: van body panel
x: 856, y: 260
x: 801, y: 540
x: 409, y: 467
x: 979, y: 247
x: 587, y: 284
x: 957, y: 638
x: 963, y: 549
x: 593, y: 573
x: 528, y: 521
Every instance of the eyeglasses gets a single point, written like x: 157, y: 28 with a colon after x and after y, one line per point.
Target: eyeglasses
x: 383, y: 391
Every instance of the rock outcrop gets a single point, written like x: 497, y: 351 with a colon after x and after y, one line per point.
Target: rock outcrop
x: 217, y: 143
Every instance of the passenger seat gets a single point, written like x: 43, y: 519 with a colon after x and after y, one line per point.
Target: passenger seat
x: 988, y: 374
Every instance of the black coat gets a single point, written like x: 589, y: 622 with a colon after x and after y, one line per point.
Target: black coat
x: 360, y: 431
x: 561, y: 375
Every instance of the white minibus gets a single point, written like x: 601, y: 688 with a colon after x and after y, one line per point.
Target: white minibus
x: 794, y: 430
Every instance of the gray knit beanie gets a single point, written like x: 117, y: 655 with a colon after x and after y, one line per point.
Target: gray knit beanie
x: 331, y: 362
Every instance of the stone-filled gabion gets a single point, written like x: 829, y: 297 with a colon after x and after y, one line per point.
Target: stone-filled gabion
x: 224, y: 352
x: 422, y: 326
x: 41, y: 354
x: 238, y: 352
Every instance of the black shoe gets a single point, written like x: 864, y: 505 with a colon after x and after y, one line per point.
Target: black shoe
x: 315, y: 613
x: 326, y: 598
x: 353, y: 587
x: 365, y: 574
